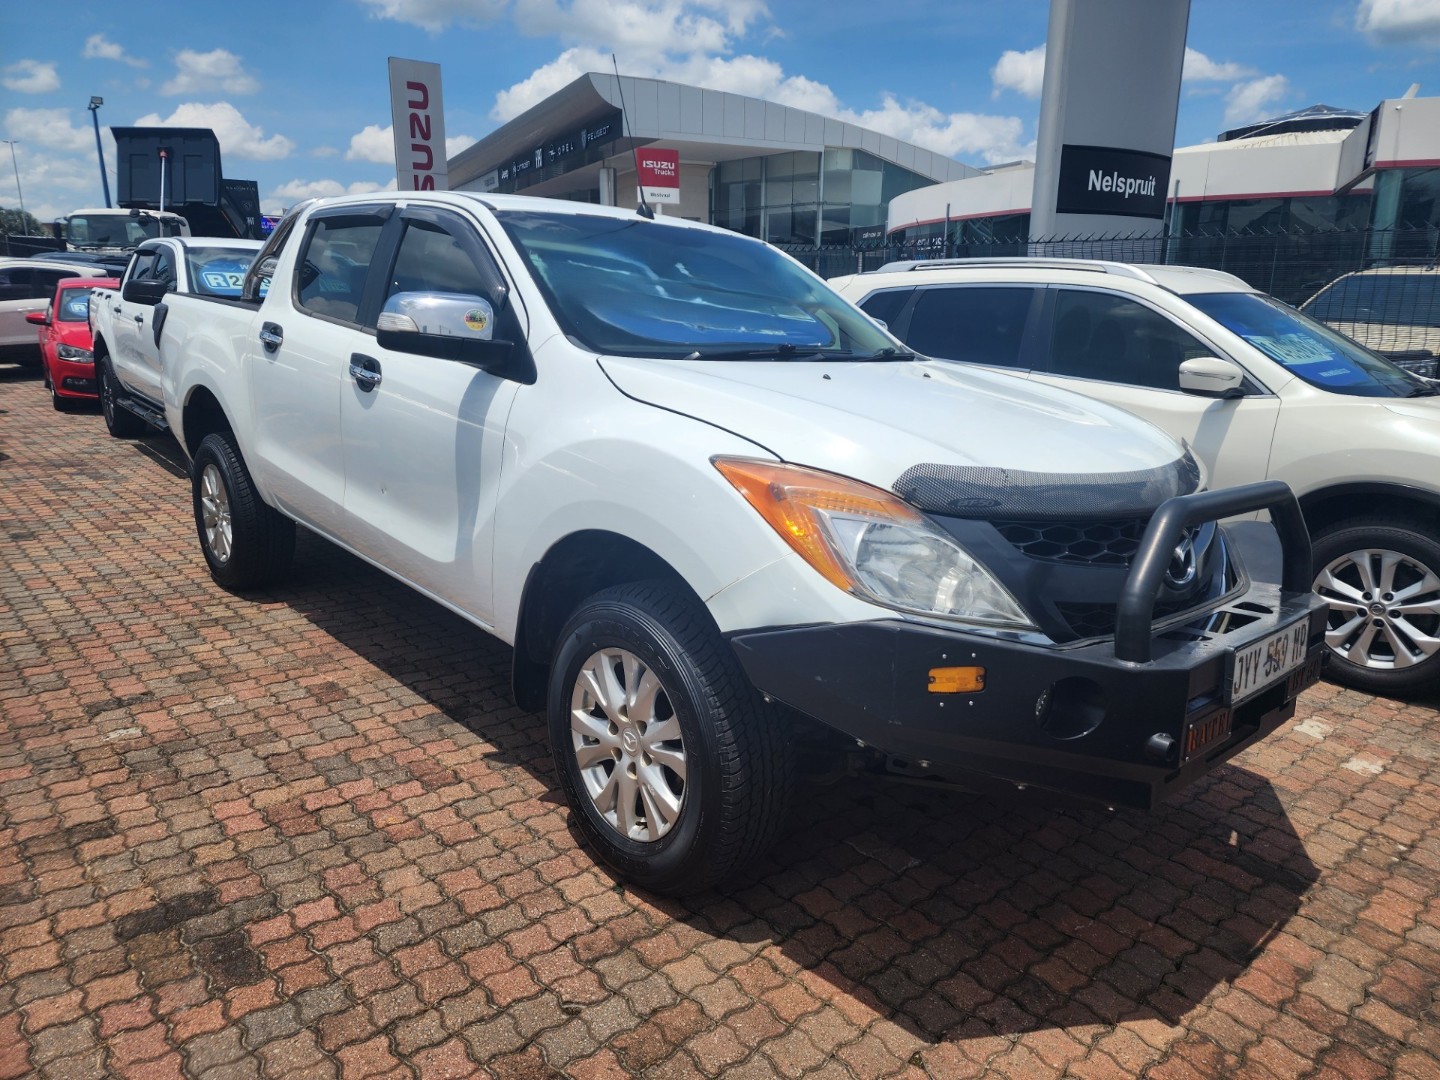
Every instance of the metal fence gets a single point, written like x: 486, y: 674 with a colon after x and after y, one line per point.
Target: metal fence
x: 1292, y: 266
x: 22, y: 247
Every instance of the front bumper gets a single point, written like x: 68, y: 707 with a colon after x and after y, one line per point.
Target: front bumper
x: 73, y: 378
x: 1125, y: 722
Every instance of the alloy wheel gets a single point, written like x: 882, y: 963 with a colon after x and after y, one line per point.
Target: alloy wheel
x: 215, y: 513
x: 627, y: 745
x: 1384, y: 609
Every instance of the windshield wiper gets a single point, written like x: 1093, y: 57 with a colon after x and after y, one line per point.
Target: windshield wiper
x: 888, y: 353
x: 1423, y: 391
x: 763, y: 352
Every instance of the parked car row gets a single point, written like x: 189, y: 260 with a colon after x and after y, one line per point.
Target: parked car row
x: 1255, y: 388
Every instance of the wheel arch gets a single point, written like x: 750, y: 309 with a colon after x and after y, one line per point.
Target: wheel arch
x: 1398, y: 502
x: 203, y: 415
x: 575, y: 567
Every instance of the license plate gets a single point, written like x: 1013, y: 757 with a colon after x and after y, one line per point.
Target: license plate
x: 1268, y: 660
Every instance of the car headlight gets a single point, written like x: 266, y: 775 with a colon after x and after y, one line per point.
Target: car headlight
x: 872, y: 544
x: 70, y: 352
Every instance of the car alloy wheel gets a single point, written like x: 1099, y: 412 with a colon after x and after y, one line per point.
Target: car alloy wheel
x: 627, y: 745
x: 215, y: 514
x: 1384, y: 609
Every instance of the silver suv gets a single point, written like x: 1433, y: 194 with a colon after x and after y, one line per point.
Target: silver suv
x: 1258, y: 390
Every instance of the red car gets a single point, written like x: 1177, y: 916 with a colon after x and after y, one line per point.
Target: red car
x: 65, y: 355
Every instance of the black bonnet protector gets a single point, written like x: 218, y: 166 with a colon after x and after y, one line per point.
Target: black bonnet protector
x: 987, y: 493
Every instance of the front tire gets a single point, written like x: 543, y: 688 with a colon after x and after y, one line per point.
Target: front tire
x: 246, y: 543
x: 119, y: 421
x: 1382, y: 580
x: 675, y: 769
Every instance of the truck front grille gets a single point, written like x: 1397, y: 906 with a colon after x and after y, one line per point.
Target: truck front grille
x: 1085, y: 543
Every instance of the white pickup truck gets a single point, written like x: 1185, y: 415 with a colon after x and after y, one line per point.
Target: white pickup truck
x: 127, y: 351
x: 713, y: 506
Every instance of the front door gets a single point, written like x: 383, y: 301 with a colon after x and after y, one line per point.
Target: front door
x: 423, y: 442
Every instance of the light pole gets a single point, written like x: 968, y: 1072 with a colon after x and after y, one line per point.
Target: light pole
x: 16, y: 166
x: 94, y: 107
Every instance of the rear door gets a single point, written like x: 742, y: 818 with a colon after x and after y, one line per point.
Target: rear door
x: 124, y: 343
x: 295, y: 386
x: 423, y: 436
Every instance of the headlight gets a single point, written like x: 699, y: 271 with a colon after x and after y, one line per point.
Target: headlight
x: 70, y: 352
x: 872, y: 544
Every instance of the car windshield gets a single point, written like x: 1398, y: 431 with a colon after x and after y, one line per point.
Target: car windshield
x: 74, y: 305
x: 216, y: 271
x: 1391, y: 299
x: 634, y: 287
x: 1306, y: 348
x: 117, y: 230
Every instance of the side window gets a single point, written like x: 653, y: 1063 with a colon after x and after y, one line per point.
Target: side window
x: 14, y: 284
x: 142, y: 265
x: 886, y: 306
x: 42, y: 286
x: 978, y: 324
x: 431, y: 260
x: 330, y: 274
x: 1099, y: 336
x: 164, y: 268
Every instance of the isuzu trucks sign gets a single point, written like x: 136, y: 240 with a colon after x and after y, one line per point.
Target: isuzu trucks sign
x: 658, y: 172
x: 1108, y: 180
x: 418, y: 112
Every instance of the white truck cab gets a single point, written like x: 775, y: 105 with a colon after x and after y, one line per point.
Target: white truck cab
x: 105, y: 230
x: 710, y: 503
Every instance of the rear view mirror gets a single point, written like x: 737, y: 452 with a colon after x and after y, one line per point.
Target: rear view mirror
x: 1210, y: 376
x: 144, y: 291
x: 39, y: 318
x: 452, y: 326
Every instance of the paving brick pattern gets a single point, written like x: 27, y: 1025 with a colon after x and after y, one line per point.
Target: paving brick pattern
x: 305, y: 834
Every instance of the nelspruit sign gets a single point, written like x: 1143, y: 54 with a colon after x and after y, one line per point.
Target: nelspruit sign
x: 1112, y: 181
x: 418, y: 112
x: 658, y: 174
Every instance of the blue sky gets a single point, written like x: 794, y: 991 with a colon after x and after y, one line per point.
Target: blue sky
x: 297, y: 90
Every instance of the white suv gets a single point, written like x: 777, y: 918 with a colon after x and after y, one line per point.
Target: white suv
x: 1258, y: 390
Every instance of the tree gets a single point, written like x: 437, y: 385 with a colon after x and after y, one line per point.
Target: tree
x: 20, y: 222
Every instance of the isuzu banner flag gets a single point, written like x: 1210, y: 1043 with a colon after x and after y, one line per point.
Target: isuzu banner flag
x: 418, y: 112
x: 658, y: 172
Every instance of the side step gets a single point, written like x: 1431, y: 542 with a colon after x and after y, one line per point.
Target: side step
x: 143, y: 409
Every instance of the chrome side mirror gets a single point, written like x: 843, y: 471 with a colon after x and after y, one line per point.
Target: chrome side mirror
x: 443, y: 314
x: 1210, y: 376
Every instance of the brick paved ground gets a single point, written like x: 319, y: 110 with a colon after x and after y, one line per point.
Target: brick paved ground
x: 307, y: 835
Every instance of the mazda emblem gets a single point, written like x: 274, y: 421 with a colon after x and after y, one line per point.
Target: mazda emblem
x: 1181, y: 571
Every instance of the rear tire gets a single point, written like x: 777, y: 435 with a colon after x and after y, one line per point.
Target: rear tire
x: 246, y: 543
x: 676, y: 771
x: 119, y: 421
x: 1382, y: 579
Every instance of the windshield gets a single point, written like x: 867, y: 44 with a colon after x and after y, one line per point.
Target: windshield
x: 217, y: 271
x: 117, y: 230
x: 633, y: 287
x: 1307, y: 348
x: 1392, y: 299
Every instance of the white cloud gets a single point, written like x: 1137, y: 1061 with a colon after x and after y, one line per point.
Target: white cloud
x: 98, y: 47
x: 1200, y: 68
x: 31, y: 77
x: 1256, y: 99
x: 294, y: 191
x: 545, y: 80
x: 48, y: 127
x: 238, y: 137
x: 643, y: 26
x: 218, y: 69
x: 435, y: 15
x: 1400, y: 22
x: 377, y: 144
x: 1023, y: 72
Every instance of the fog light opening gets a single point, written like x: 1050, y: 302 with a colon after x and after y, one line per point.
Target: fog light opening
x: 1071, y: 708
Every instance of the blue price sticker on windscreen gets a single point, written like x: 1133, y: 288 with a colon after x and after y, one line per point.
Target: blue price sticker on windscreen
x: 222, y: 277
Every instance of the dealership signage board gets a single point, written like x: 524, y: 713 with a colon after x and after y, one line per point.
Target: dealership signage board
x: 418, y: 113
x: 1110, y: 181
x: 658, y: 174
x: 565, y: 152
x: 1107, y: 117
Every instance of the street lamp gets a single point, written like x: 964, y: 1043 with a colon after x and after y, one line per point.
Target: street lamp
x: 94, y: 107
x: 16, y: 165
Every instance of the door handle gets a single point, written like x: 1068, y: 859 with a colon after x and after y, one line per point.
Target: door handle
x: 140, y: 320
x: 271, y: 336
x: 365, y: 370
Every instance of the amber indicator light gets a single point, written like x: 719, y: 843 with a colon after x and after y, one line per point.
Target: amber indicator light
x: 956, y: 680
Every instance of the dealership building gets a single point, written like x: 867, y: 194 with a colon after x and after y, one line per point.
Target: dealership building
x: 779, y: 173
x: 1317, y: 169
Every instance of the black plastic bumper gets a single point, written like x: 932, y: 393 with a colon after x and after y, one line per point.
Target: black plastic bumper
x: 1124, y: 722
